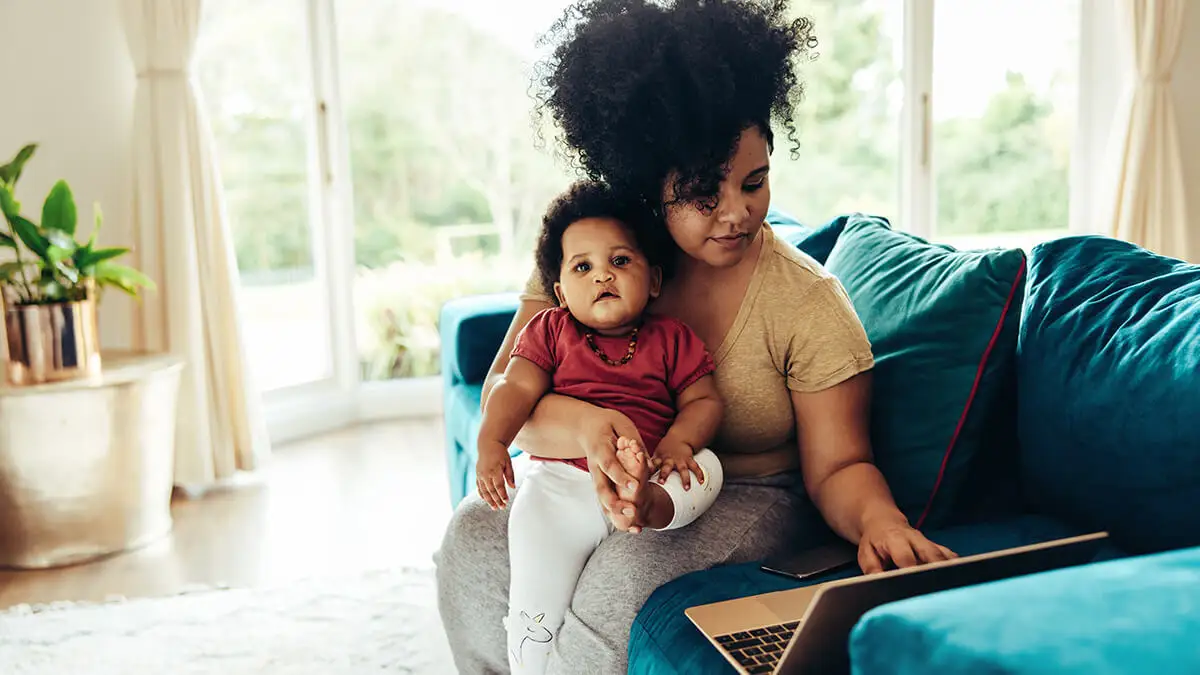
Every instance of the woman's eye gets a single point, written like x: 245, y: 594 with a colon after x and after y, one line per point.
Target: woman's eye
x: 621, y: 260
x: 582, y: 268
x: 755, y: 187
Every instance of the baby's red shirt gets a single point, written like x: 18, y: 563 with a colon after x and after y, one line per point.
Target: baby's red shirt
x: 669, y: 358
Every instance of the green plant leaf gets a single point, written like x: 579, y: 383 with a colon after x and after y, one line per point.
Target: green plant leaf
x: 57, y: 255
x: 61, y: 240
x: 9, y: 205
x: 30, y: 235
x: 86, y: 256
x: 9, y: 173
x: 58, y: 213
x: 7, y: 241
x: 125, y: 278
x: 10, y: 271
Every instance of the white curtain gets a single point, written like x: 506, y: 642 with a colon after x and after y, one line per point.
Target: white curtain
x: 1148, y: 206
x: 183, y: 241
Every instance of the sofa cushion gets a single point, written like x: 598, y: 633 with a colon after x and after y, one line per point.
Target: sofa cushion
x: 664, y: 642
x: 1109, y: 391
x: 1136, y: 615
x: 819, y: 243
x: 471, y: 331
x: 943, y: 328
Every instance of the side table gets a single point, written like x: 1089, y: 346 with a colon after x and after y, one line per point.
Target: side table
x: 86, y: 466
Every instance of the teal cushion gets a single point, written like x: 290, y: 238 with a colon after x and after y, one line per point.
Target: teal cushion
x: 1109, y: 373
x: 943, y: 328
x: 817, y: 243
x: 664, y: 642
x: 1137, y: 615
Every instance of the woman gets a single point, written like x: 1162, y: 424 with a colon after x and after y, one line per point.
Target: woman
x: 674, y: 104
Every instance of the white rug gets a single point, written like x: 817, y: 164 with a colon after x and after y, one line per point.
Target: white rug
x: 377, y: 622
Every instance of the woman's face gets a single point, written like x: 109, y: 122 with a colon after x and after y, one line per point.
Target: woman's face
x: 721, y: 236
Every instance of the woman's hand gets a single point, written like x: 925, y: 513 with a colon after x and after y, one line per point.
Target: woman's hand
x: 599, y: 440
x: 895, y: 545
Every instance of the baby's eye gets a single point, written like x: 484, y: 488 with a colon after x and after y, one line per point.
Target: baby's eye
x: 621, y: 260
x: 583, y: 268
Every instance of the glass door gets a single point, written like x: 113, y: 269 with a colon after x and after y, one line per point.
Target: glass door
x: 255, y: 65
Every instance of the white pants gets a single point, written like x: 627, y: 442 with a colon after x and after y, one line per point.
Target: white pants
x: 555, y: 523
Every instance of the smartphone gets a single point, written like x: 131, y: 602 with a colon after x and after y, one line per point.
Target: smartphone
x: 813, y: 561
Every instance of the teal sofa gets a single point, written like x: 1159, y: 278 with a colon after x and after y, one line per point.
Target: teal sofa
x: 1017, y: 399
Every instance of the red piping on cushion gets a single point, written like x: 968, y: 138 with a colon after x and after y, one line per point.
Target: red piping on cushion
x: 962, y: 420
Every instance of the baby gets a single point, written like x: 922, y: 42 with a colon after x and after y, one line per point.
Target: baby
x: 601, y: 346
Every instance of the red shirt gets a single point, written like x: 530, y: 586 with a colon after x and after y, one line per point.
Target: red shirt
x: 669, y: 358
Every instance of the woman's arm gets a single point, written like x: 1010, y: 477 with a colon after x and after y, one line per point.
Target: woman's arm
x: 844, y: 483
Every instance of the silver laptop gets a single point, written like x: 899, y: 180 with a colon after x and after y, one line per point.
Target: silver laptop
x: 806, y: 630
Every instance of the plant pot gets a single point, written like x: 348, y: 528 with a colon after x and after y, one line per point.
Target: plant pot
x: 51, y: 342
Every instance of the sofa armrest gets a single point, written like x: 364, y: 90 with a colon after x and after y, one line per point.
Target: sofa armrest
x: 472, y: 329
x: 1132, y: 615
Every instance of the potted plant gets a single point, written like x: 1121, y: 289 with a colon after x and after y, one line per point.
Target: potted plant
x: 52, y: 284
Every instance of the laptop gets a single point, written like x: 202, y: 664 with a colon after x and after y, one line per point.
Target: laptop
x: 806, y: 630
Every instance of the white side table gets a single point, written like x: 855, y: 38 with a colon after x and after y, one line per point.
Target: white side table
x: 86, y: 466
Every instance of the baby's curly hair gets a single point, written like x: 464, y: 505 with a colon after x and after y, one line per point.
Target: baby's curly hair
x: 644, y: 88
x: 596, y: 199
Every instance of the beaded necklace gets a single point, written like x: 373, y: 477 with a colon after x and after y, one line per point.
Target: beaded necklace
x: 591, y: 340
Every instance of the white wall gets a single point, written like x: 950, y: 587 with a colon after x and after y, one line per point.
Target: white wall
x: 68, y: 85
x: 1186, y: 87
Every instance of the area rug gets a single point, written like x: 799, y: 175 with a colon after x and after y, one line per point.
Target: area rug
x: 377, y: 622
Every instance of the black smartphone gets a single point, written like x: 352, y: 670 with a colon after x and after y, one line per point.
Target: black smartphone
x: 812, y: 561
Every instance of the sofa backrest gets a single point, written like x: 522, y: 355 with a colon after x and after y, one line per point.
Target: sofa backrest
x: 1109, y: 391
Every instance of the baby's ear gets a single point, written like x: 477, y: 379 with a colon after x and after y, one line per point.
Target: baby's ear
x: 655, y: 280
x: 558, y: 293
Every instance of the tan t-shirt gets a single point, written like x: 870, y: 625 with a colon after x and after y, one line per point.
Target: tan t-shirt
x: 796, y: 331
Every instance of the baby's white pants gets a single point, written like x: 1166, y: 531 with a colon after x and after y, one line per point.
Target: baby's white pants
x: 555, y: 524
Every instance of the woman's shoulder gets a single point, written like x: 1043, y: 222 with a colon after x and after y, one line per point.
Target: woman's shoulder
x: 800, y: 292
x: 789, y: 270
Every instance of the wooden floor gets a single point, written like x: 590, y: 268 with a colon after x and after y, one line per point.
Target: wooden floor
x: 364, y: 498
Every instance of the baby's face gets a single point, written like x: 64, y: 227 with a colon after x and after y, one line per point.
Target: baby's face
x: 605, y: 281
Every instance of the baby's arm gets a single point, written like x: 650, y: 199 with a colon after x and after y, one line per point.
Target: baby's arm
x: 508, y: 407
x: 699, y: 414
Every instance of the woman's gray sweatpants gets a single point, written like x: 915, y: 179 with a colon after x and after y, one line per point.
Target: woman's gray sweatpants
x: 751, y: 519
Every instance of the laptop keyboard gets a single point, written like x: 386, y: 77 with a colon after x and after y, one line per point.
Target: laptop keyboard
x: 759, y: 650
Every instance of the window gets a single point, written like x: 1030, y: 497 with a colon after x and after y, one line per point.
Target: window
x: 449, y: 185
x: 1003, y: 119
x: 848, y: 123
x: 929, y: 113
x: 254, y: 66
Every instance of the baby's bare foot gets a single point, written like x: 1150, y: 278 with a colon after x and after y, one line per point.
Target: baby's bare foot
x: 633, y: 460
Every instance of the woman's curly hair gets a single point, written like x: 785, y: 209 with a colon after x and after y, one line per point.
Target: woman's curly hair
x: 596, y: 199
x: 642, y: 90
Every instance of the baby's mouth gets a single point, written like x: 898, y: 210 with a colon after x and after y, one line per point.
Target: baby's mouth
x: 607, y: 295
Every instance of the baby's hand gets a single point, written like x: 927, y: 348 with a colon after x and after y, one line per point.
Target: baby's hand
x: 492, y: 470
x: 675, y: 456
